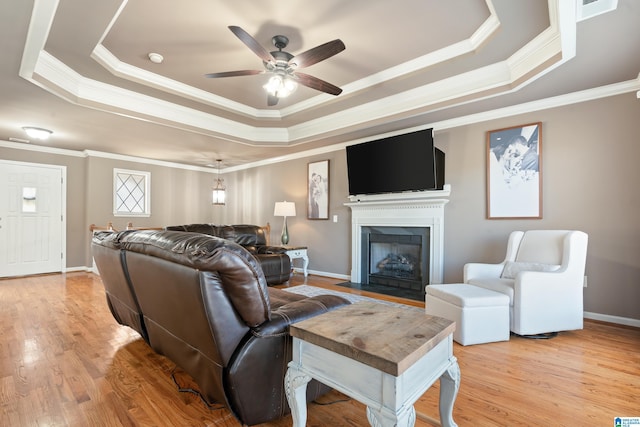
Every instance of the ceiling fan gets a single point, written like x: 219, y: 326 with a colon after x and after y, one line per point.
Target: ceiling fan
x: 284, y: 66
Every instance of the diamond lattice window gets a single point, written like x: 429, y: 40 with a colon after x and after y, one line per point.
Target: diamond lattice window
x: 131, y: 193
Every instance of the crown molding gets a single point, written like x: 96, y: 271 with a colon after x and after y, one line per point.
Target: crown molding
x: 43, y: 69
x: 75, y: 88
x: 40, y: 149
x: 126, y: 71
x: 138, y: 75
x: 544, y: 104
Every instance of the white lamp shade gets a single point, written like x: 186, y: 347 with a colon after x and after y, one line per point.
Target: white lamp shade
x: 285, y: 209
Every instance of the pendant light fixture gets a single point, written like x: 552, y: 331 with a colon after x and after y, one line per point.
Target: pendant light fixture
x: 218, y: 191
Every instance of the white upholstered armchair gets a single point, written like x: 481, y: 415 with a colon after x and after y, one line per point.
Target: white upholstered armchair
x: 543, y: 275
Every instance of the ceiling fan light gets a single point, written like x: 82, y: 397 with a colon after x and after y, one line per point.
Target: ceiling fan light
x: 273, y: 85
x: 280, y: 86
x: 290, y: 86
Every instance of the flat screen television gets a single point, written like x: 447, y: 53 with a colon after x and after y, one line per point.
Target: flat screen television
x: 407, y: 162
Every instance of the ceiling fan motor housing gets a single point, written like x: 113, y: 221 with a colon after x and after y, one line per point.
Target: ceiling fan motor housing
x: 282, y: 60
x: 280, y: 42
x: 284, y: 65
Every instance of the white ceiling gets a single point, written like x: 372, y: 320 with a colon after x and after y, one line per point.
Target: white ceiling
x: 81, y: 69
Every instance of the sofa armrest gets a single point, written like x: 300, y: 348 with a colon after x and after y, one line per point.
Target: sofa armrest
x: 297, y: 311
x: 267, y: 249
x: 254, y: 380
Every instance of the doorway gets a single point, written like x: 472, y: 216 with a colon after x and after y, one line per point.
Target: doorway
x: 32, y: 218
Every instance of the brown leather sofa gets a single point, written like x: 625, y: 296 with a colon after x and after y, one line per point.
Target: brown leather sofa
x: 275, y: 263
x: 203, y: 302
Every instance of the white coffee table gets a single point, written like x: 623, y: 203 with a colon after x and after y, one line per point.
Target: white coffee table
x: 383, y: 356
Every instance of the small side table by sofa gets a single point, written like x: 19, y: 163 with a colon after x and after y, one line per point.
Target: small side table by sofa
x: 295, y: 252
x: 385, y: 357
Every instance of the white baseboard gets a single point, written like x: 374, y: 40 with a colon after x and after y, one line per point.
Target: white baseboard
x: 612, y: 319
x: 344, y: 277
x: 83, y: 269
x: 76, y: 269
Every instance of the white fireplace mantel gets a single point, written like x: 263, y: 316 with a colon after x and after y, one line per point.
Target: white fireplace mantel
x: 414, y: 209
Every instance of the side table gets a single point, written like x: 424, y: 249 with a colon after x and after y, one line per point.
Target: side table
x: 295, y: 252
x: 383, y: 356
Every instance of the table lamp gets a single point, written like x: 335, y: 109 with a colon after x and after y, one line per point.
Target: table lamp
x: 284, y: 209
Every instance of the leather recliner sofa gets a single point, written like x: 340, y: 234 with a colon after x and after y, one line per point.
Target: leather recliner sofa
x: 275, y: 263
x: 203, y: 302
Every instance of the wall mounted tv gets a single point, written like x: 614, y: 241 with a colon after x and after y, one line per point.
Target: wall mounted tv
x: 407, y: 162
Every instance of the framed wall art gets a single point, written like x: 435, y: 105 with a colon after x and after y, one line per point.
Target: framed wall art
x: 514, y: 173
x: 318, y: 190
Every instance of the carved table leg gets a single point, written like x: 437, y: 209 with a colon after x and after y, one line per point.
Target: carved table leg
x: 449, y: 385
x: 406, y: 417
x: 295, y: 383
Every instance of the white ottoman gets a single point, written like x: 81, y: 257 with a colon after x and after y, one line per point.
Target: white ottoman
x: 481, y: 315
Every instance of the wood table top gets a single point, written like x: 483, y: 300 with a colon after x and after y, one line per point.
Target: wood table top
x: 385, y: 337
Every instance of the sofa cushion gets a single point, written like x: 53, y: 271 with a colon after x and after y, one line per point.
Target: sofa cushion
x: 512, y: 268
x: 253, y: 238
x: 276, y: 267
x: 210, y: 229
x: 244, y: 235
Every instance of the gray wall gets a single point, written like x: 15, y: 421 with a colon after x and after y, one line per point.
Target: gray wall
x: 253, y: 194
x: 589, y: 172
x: 590, y: 179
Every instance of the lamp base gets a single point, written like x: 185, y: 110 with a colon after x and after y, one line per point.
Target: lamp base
x: 284, y: 237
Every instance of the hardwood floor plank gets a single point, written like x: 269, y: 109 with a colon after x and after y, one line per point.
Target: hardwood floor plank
x: 64, y: 361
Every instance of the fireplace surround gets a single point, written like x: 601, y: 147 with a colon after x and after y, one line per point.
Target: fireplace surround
x: 414, y: 209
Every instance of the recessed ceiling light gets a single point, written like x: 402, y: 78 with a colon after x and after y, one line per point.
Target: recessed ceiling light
x: 156, y: 58
x: 37, y: 133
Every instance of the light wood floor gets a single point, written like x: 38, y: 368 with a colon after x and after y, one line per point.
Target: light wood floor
x: 65, y: 362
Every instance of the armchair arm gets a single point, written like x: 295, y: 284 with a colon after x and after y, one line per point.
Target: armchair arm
x: 297, y: 311
x: 479, y: 270
x: 531, y: 286
x: 547, y: 302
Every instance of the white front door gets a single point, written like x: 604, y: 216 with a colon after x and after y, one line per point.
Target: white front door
x: 31, y: 218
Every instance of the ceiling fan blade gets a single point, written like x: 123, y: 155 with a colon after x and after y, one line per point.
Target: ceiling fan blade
x: 272, y: 100
x: 234, y: 73
x: 252, y: 43
x: 317, y: 54
x: 317, y: 84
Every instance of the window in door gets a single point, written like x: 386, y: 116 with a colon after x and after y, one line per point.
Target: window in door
x: 28, y: 200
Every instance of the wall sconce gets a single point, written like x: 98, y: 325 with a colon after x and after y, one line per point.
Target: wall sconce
x: 218, y: 194
x: 284, y: 209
